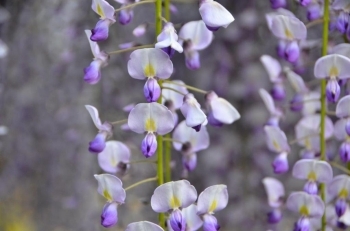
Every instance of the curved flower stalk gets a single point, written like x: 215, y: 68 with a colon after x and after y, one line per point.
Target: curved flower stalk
x: 172, y: 197
x: 107, y: 18
x: 314, y: 171
x: 332, y: 67
x: 275, y: 197
x: 115, y: 157
x: 194, y: 36
x: 98, y: 144
x: 168, y: 40
x: 111, y: 188
x: 275, y: 113
x: 214, y: 15
x: 211, y: 200
x: 152, y: 118
x: 189, y: 142
x: 93, y: 71
x: 220, y: 111
x: 150, y: 64
x: 277, y: 142
x: 290, y: 31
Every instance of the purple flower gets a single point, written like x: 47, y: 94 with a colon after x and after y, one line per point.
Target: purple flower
x: 280, y: 164
x: 281, y: 47
x: 332, y: 90
x: 296, y: 104
x: 311, y: 187
x: 274, y: 216
x: 151, y: 90
x: 125, y: 16
x: 189, y: 161
x: 313, y: 12
x: 303, y: 224
x: 210, y: 223
x: 167, y: 40
x: 292, y: 52
x: 99, y: 143
x: 149, y: 145
x: 177, y: 221
x: 92, y: 73
x: 278, y: 92
x: 344, y: 152
x: 275, y: 4
x: 109, y: 215
x: 342, y: 22
x: 100, y: 32
x: 340, y: 206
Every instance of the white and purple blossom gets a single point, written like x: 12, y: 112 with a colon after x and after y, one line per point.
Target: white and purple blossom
x: 167, y: 40
x: 214, y: 15
x: 115, y: 157
x: 275, y: 196
x: 107, y: 18
x: 191, y: 110
x: 275, y: 113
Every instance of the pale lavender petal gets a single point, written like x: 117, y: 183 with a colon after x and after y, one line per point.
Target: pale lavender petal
x: 212, y: 199
x: 149, y: 145
x: 109, y: 215
x: 275, y: 191
x: 214, y: 14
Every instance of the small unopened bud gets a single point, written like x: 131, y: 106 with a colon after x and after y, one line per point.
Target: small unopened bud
x: 92, y: 73
x: 344, y: 152
x: 210, y: 223
x: 292, y: 52
x: 332, y: 90
x: 98, y: 144
x: 177, y: 221
x: 280, y: 164
x: 311, y: 188
x: 101, y: 30
x: 296, y: 104
x: 109, y: 215
x: 303, y: 224
x: 125, y: 16
x: 340, y: 207
x: 149, y: 145
x: 274, y: 216
x: 313, y: 12
x: 151, y: 90
x: 278, y: 92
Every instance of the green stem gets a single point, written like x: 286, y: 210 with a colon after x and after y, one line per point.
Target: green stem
x: 187, y: 86
x: 323, y: 104
x: 167, y: 10
x: 130, y: 49
x: 167, y: 158
x: 141, y: 182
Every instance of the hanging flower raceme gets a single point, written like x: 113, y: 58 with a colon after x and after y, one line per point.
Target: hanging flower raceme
x: 114, y: 158
x: 126, y: 15
x: 275, y: 4
x: 332, y: 67
x: 98, y: 144
x: 341, y: 7
x: 167, y: 40
x: 107, y: 18
x: 93, y: 71
x: 143, y: 226
x: 171, y: 96
x: 211, y: 200
x: 220, y: 110
x: 172, y: 197
x: 274, y: 71
x: 150, y: 64
x: 189, y: 142
x: 339, y: 189
x: 275, y: 113
x: 194, y: 37
x: 152, y: 118
x: 193, y: 113
x: 111, y: 188
x: 193, y: 221
x: 275, y: 196
x: 277, y: 142
x: 290, y: 31
x: 307, y: 206
x: 214, y: 15
x: 315, y: 171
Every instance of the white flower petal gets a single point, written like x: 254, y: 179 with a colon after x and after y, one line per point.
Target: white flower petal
x: 312, y: 103
x: 193, y: 221
x: 275, y: 191
x: 315, y: 170
x: 343, y: 107
x: 214, y: 14
x: 332, y: 66
x: 173, y: 96
x: 3, y: 49
x: 342, y: 49
x: 339, y: 130
x: 172, y: 195
x: 103, y: 9
x: 345, y: 218
x: 212, y: 199
x: 143, y: 226
x: 94, y: 116
x: 268, y: 101
x: 95, y: 48
x: 114, y: 153
x: 290, y: 28
x: 339, y: 187
x: 280, y: 11
x: 191, y: 110
x: 198, y: 33
x: 222, y: 110
x: 296, y: 81
x: 276, y: 139
x: 110, y: 187
x: 305, y: 204
x: 272, y: 66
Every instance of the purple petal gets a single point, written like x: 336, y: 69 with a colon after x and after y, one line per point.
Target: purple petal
x: 275, y: 4
x: 280, y: 164
x: 296, y: 104
x: 274, y: 216
x: 169, y: 50
x: 92, y: 72
x: 100, y: 32
x: 125, y: 16
x: 98, y: 144
x: 189, y: 161
x: 344, y: 152
x: 177, y: 221
x: 292, y: 52
x: 151, y: 90
x: 278, y: 92
x: 340, y: 207
x: 332, y: 90
x: 149, y: 145
x: 210, y: 223
x: 313, y: 12
x: 109, y: 215
x: 311, y: 188
x: 303, y: 224
x: 192, y: 60
x: 342, y: 22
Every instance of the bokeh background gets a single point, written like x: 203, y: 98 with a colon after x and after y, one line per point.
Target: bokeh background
x: 46, y: 171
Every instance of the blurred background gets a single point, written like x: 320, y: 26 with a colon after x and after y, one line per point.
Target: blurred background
x: 46, y: 170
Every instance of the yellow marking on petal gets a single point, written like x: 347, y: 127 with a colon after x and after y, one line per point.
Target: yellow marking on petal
x: 288, y: 33
x: 175, y: 202
x: 312, y: 176
x: 107, y: 195
x: 343, y: 193
x: 100, y: 11
x: 149, y: 70
x: 113, y: 161
x: 150, y: 125
x: 213, y: 206
x: 304, y: 210
x: 275, y: 144
x: 333, y: 72
x: 307, y: 143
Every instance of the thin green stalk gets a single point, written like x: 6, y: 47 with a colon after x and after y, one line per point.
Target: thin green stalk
x: 167, y: 10
x: 141, y: 182
x: 158, y: 17
x: 323, y: 104
x: 167, y: 158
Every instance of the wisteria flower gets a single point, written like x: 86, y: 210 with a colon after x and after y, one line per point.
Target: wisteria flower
x: 339, y: 189
x: 140, y: 30
x: 98, y: 144
x: 315, y: 171
x: 307, y: 206
x: 214, y: 15
x: 93, y: 71
x: 274, y: 71
x: 212, y: 199
x: 280, y: 11
x: 333, y: 67
x: 150, y: 64
x: 167, y: 40
x: 115, y: 157
x: 126, y: 15
x: 107, y: 18
x: 143, y: 226
x: 193, y: 113
x: 275, y: 113
x: 289, y: 30
x: 342, y: 135
x: 220, y: 110
x: 275, y: 4
x: 314, y: 12
x: 189, y: 142
x: 152, y: 118
x: 193, y: 221
x: 194, y: 36
x: 277, y: 142
x: 342, y: 49
x: 275, y: 196
x: 111, y: 188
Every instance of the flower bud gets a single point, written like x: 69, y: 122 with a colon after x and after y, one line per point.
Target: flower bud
x: 100, y: 32
x: 125, y: 16
x: 292, y: 52
x: 296, y: 104
x: 109, y: 215
x: 177, y: 221
x: 311, y: 188
x: 189, y: 161
x: 280, y: 164
x: 151, y: 90
x: 340, y: 207
x: 342, y: 22
x: 344, y: 152
x: 313, y: 12
x: 92, y: 72
x: 214, y: 122
x: 278, y: 92
x: 280, y: 49
x: 347, y: 127
x: 274, y: 216
x: 304, y: 2
x: 99, y: 143
x: 303, y: 224
x: 332, y: 90
x: 275, y: 4
x: 149, y: 145
x: 210, y: 223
